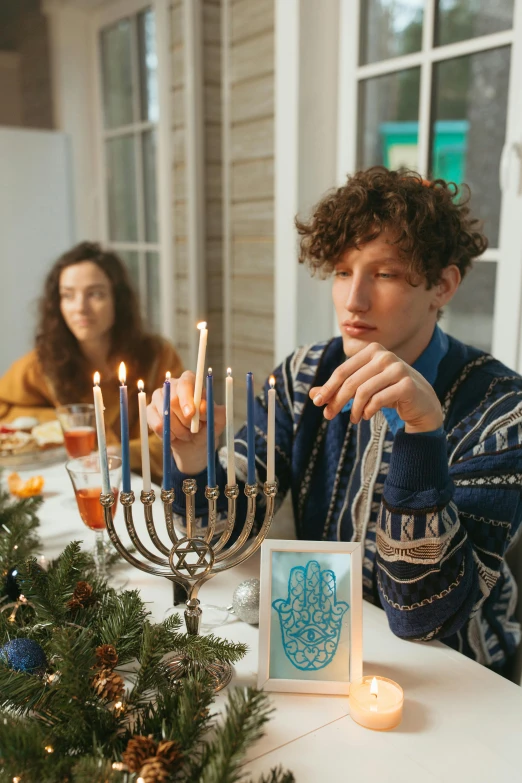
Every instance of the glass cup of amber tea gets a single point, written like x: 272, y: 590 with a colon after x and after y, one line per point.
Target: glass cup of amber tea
x: 85, y: 475
x: 79, y: 428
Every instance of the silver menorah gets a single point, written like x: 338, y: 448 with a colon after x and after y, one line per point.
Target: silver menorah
x: 193, y: 559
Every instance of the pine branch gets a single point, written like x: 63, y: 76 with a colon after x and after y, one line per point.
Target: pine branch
x: 247, y: 711
x: 202, y: 649
x: 120, y: 619
x: 277, y: 775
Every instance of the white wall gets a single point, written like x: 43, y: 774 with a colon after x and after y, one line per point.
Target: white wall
x: 36, y: 226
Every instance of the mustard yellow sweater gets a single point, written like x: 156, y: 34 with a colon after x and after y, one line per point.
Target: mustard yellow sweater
x: 24, y: 391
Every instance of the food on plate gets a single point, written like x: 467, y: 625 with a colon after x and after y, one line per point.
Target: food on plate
x: 25, y: 489
x: 48, y: 434
x: 15, y: 442
x: 25, y: 423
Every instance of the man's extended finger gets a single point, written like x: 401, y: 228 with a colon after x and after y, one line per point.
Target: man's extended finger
x: 185, y: 393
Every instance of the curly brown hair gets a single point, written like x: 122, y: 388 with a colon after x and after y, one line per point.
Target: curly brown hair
x: 57, y: 348
x: 431, y: 226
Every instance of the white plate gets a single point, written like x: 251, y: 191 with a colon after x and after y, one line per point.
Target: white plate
x: 33, y: 459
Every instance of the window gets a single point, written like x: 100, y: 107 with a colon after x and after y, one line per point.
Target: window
x: 128, y: 67
x: 430, y: 86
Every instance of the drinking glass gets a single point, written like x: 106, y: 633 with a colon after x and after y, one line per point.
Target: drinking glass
x: 79, y: 428
x: 85, y: 475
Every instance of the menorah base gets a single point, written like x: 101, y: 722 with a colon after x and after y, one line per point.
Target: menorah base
x: 220, y: 673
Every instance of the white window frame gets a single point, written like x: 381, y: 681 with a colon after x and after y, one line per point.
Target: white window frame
x: 507, y: 319
x: 105, y: 16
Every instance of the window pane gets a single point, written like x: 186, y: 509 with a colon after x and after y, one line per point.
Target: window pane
x: 121, y: 188
x: 469, y: 128
x: 117, y: 74
x: 389, y: 109
x: 148, y: 66
x: 153, y: 292
x: 469, y: 315
x: 149, y: 186
x: 132, y: 262
x: 390, y: 28
x: 458, y: 20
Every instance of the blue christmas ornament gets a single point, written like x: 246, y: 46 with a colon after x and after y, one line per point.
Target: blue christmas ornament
x: 24, y: 655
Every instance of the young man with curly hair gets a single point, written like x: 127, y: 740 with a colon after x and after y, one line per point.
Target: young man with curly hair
x: 394, y: 434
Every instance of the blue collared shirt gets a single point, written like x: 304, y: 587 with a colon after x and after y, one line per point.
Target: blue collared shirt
x: 428, y: 366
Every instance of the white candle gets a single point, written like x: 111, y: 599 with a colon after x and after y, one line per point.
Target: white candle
x: 144, y: 437
x: 200, y: 369
x: 229, y: 404
x: 270, y: 435
x: 100, y: 433
x: 376, y: 702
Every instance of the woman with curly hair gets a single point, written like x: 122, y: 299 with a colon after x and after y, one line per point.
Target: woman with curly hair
x: 89, y: 320
x: 393, y: 434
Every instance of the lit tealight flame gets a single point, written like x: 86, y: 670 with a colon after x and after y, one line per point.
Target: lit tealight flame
x: 202, y: 325
x: 374, y: 688
x: 229, y: 372
x: 167, y: 376
x: 271, y: 381
x: 122, y: 373
x: 141, y: 386
x: 96, y: 378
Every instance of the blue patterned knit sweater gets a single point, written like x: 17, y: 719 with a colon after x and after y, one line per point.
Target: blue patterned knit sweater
x: 436, y: 513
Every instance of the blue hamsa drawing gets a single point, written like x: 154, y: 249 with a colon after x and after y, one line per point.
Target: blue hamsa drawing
x: 310, y: 617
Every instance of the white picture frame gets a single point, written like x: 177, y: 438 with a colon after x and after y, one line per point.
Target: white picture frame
x: 313, y: 643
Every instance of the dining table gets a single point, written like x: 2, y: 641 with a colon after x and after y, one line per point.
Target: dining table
x: 461, y: 722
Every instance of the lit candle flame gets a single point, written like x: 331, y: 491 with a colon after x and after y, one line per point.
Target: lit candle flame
x: 229, y: 372
x: 271, y: 381
x: 96, y: 378
x: 202, y: 325
x: 122, y: 373
x: 210, y: 370
x: 141, y: 386
x: 374, y: 688
x: 167, y: 376
x: 49, y: 749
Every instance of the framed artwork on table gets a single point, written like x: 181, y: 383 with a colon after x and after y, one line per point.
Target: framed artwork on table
x: 310, y: 616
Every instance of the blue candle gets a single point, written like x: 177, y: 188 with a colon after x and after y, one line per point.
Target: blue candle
x: 211, y: 445
x: 124, y: 427
x: 167, y: 479
x: 251, y: 449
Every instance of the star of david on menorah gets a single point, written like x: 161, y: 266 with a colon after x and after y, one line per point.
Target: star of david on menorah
x: 191, y: 560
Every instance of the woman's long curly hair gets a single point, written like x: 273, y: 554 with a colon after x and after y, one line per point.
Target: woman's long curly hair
x: 431, y: 226
x: 58, y: 350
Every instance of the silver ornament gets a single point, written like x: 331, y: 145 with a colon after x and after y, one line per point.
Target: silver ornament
x: 245, y: 601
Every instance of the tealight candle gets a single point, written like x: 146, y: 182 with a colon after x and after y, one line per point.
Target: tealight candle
x: 376, y: 702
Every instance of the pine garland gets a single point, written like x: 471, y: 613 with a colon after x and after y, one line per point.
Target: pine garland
x: 75, y: 723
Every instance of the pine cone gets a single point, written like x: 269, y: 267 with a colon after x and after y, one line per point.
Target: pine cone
x: 106, y: 656
x: 108, y: 685
x: 170, y: 752
x: 82, y: 596
x: 139, y: 750
x: 154, y: 771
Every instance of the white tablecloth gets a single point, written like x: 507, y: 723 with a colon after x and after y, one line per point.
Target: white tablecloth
x: 461, y: 722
